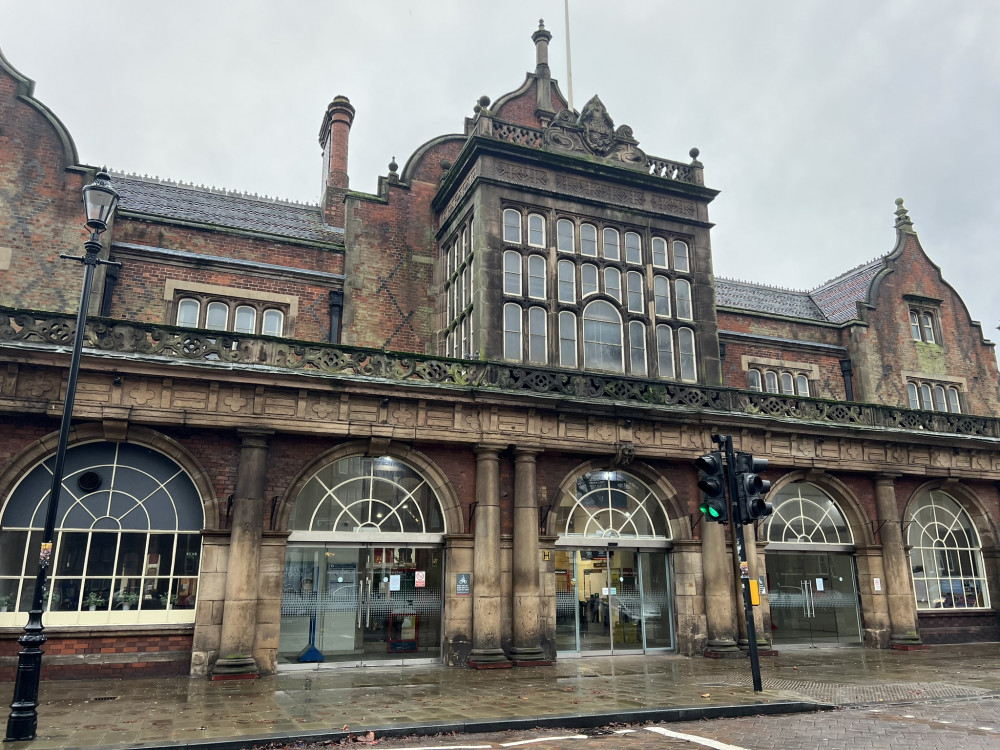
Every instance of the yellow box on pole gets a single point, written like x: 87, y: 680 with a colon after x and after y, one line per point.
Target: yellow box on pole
x: 755, y: 593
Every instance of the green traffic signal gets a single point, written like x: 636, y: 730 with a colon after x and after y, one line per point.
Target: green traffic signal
x: 712, y: 483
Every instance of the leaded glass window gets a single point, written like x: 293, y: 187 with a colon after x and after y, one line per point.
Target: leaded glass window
x: 127, y: 538
x: 365, y: 494
x: 602, y: 338
x: 804, y: 514
x: 611, y: 505
x: 945, y: 555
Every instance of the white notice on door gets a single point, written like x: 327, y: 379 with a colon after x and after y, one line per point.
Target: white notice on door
x: 394, y: 582
x: 877, y: 584
x: 819, y: 584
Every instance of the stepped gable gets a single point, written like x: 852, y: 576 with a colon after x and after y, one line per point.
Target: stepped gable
x: 223, y: 208
x: 742, y: 295
x: 838, y: 297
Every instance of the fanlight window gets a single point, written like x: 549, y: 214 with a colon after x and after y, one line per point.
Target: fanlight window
x: 612, y: 505
x: 945, y: 555
x: 127, y: 537
x: 364, y: 494
x: 804, y: 514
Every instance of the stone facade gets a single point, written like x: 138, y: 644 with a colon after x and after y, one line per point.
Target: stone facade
x: 409, y: 333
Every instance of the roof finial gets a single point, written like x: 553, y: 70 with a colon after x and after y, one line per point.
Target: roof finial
x: 902, y: 215
x: 541, y: 39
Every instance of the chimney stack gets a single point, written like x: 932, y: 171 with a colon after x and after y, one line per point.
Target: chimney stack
x: 333, y: 137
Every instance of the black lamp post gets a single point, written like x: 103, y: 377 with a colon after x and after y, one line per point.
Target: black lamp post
x: 100, y: 200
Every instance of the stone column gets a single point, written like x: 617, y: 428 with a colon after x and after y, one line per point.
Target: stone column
x: 239, y: 614
x: 487, y: 652
x: 719, y: 613
x: 903, y: 632
x: 526, y: 649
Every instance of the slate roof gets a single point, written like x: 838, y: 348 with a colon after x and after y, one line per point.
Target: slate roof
x: 223, y: 208
x: 767, y: 299
x: 838, y: 297
x: 834, y: 302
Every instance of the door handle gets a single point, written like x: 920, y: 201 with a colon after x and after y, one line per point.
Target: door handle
x: 361, y: 586
x: 368, y: 607
x: 805, y: 599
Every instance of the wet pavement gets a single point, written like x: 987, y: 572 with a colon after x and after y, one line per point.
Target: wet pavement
x: 584, y: 692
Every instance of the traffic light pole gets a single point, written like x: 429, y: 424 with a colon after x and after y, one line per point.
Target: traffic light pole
x: 725, y: 442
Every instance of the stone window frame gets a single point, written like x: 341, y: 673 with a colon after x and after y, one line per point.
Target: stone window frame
x: 768, y: 369
x: 458, y: 291
x: 592, y: 232
x: 177, y: 290
x: 933, y: 395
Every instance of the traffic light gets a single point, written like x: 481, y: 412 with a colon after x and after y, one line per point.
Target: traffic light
x: 712, y: 483
x: 751, y: 488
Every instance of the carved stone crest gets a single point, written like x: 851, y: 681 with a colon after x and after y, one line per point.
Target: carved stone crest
x: 598, y: 127
x: 594, y: 132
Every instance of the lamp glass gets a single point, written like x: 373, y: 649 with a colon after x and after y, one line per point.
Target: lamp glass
x: 100, y: 201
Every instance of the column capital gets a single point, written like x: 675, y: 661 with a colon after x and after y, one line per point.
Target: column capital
x: 488, y: 450
x: 886, y: 478
x: 526, y: 454
x: 254, y: 436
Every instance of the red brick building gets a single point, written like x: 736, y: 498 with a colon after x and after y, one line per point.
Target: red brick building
x: 456, y: 420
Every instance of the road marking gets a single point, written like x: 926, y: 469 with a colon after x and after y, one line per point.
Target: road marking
x: 695, y: 739
x: 451, y: 747
x: 625, y: 731
x: 544, y: 739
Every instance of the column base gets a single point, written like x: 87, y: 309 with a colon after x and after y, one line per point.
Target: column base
x: 722, y: 650
x: 529, y: 657
x: 235, y: 668
x: 909, y: 646
x: 906, y: 642
x: 492, y: 658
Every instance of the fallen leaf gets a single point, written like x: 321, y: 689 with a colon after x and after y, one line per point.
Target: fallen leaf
x: 706, y: 695
x: 344, y: 728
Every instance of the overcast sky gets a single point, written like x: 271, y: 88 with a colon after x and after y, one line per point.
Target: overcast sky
x: 812, y: 117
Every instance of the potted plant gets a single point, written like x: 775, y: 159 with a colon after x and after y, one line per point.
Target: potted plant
x: 5, y: 601
x: 127, y: 599
x: 167, y: 599
x: 93, y: 600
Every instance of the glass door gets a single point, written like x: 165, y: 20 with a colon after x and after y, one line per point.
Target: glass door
x: 611, y: 601
x: 360, y: 605
x: 813, y: 598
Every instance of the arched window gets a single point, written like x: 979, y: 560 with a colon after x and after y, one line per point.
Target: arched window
x: 802, y: 385
x: 511, y: 273
x: 536, y: 230
x: 588, y: 279
x: 685, y: 348
x: 567, y: 282
x: 536, y: 277
x: 611, y: 505
x: 246, y: 320
x: 274, y: 323
x: 565, y: 241
x: 661, y: 296
x: 612, y: 249
x: 613, y: 283
x: 537, y: 337
x: 659, y: 252
x: 588, y: 240
x: 602, y: 338
x: 218, y: 316
x: 770, y: 382
x: 804, y: 514
x: 512, y: 332
x: 512, y: 226
x: 681, y: 259
x: 927, y: 324
x: 911, y: 394
x: 787, y: 384
x: 915, y: 325
x: 954, y: 405
x: 370, y: 495
x: 127, y: 538
x: 665, y: 351
x: 945, y: 554
x: 637, y: 348
x: 567, y: 339
x: 925, y: 396
x: 753, y: 380
x: 633, y: 286
x: 633, y: 248
x: 683, y: 290
x: 939, y: 401
x: 187, y: 313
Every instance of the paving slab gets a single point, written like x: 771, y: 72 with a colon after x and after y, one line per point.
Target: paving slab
x: 329, y: 703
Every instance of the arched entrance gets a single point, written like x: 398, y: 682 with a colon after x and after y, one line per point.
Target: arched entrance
x: 612, y: 568
x: 811, y: 579
x: 364, y: 566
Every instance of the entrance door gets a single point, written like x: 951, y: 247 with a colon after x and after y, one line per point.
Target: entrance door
x: 611, y: 601
x: 360, y: 605
x: 813, y: 598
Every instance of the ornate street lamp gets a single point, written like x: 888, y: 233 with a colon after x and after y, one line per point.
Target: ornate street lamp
x: 100, y: 200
